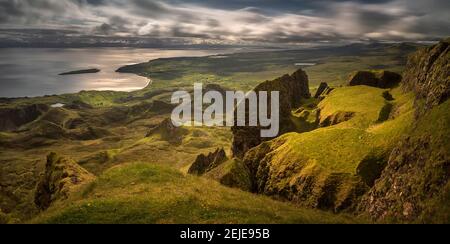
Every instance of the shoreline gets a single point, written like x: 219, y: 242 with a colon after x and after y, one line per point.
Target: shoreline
x: 148, y: 81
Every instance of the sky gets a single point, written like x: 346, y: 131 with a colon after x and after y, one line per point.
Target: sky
x: 230, y: 22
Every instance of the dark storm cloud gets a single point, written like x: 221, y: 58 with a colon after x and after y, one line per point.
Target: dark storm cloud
x: 288, y: 21
x: 275, y: 5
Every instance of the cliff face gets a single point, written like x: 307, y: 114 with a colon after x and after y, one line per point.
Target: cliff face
x: 61, y: 177
x: 205, y: 163
x: 292, y: 89
x: 427, y: 74
x: 380, y: 79
x: 414, y: 187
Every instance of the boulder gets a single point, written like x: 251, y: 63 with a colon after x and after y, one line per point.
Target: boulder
x: 61, y: 177
x: 381, y: 79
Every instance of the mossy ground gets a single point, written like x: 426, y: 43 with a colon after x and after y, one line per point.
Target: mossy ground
x: 341, y: 147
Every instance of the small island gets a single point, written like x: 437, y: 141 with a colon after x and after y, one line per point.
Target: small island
x: 83, y: 71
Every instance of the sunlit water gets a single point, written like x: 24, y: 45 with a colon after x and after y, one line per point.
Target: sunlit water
x: 34, y: 72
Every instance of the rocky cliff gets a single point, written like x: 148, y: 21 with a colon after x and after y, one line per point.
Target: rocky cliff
x: 414, y: 187
x: 216, y: 166
x: 323, y: 90
x: 60, y: 178
x: 205, y: 163
x: 427, y: 74
x: 380, y: 79
x: 293, y: 88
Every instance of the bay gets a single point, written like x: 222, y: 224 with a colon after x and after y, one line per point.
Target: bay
x: 34, y: 71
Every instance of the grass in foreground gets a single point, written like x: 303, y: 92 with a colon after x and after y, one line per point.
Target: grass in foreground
x: 145, y: 193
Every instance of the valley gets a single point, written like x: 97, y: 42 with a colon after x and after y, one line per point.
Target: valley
x: 346, y: 155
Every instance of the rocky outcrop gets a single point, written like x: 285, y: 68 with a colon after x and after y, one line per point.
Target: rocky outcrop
x: 60, y: 178
x: 168, y: 132
x: 381, y: 79
x: 293, y: 88
x: 427, y: 74
x: 323, y: 90
x: 205, y: 163
x: 216, y: 166
x: 414, y: 186
x: 275, y: 172
x: 13, y: 118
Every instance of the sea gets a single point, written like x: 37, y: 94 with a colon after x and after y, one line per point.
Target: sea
x: 31, y: 72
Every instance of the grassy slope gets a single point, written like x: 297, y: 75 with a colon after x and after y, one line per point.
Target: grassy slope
x: 145, y: 193
x: 20, y: 167
x: 341, y: 148
x: 334, y: 153
x: 365, y: 101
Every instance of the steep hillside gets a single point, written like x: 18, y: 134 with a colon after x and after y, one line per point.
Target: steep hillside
x: 415, y: 186
x: 292, y: 89
x: 331, y: 167
x: 427, y: 74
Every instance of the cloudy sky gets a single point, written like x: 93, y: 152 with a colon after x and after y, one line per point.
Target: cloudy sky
x: 224, y: 21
